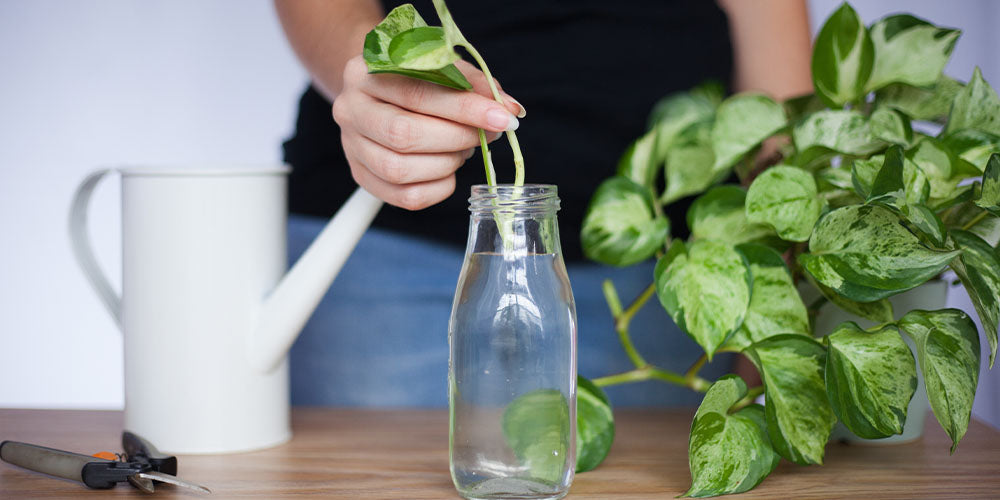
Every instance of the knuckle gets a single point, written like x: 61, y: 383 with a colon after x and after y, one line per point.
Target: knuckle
x: 355, y: 68
x: 412, y: 93
x: 392, y: 168
x: 413, y: 198
x: 400, y: 134
x: 339, y: 113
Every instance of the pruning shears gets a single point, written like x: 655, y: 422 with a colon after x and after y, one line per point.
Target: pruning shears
x: 141, y: 464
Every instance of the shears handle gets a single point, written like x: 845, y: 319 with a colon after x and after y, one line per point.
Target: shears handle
x: 92, y: 471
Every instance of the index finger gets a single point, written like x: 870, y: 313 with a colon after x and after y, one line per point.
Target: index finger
x: 468, y: 108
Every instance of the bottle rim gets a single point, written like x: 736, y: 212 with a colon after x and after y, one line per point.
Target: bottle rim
x: 508, y: 198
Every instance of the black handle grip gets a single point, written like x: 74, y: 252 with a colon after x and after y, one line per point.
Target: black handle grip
x: 138, y: 449
x: 59, y: 463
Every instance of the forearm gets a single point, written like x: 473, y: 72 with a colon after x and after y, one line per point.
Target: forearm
x: 326, y: 33
x: 771, y: 46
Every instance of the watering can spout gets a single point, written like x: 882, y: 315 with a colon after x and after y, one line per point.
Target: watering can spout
x: 287, y: 308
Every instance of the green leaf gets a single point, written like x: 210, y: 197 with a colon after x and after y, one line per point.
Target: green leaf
x: 620, y: 228
x: 678, y: 111
x: 689, y: 163
x: 595, y: 425
x: 927, y: 223
x: 888, y: 183
x: 775, y: 304
x: 962, y: 195
x: 932, y: 103
x: 870, y: 379
x: 536, y: 427
x: 909, y: 50
x: 728, y: 453
x: 865, y: 253
x: 973, y: 146
x: 797, y: 107
x: 639, y: 163
x: 451, y: 31
x: 798, y: 414
x: 865, y: 171
x: 979, y: 269
x: 976, y: 107
x: 719, y: 215
x: 843, y: 57
x: 785, y: 198
x: 989, y: 199
x: 841, y: 131
x: 741, y: 123
x: 948, y: 350
x: 423, y: 48
x: 939, y: 165
x: 705, y: 289
x: 891, y: 126
x: 879, y: 311
x: 379, y: 39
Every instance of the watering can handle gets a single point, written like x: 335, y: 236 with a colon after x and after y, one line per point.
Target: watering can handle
x: 82, y: 248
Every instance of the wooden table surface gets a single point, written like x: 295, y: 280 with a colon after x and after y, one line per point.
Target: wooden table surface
x: 370, y: 454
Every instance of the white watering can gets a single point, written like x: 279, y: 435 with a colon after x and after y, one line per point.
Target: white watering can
x: 207, y: 311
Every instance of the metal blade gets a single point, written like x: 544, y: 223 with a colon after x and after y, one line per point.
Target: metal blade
x: 144, y: 485
x: 167, y: 478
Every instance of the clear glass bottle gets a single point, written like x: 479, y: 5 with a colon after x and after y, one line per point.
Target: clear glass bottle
x: 512, y: 369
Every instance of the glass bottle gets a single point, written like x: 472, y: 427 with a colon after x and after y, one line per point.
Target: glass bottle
x: 512, y: 367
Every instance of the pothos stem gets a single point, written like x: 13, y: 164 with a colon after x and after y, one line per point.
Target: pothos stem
x: 491, y: 175
x: 511, y: 136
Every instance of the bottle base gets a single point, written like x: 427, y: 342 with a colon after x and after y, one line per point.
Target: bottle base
x: 512, y: 489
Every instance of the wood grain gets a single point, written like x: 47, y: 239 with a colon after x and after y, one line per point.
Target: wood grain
x: 375, y: 454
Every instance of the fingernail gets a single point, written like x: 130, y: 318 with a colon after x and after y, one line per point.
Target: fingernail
x: 523, y: 111
x: 499, y: 118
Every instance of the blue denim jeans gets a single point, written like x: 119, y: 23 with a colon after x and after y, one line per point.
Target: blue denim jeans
x: 380, y: 335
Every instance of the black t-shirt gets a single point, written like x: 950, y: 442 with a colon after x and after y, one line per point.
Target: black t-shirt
x: 587, y: 71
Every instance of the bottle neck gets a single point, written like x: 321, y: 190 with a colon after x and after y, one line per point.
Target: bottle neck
x: 514, y: 221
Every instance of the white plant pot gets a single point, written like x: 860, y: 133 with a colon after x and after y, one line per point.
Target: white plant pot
x: 929, y: 296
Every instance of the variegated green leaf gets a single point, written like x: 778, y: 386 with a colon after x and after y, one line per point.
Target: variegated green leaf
x: 865, y: 253
x: 870, y: 379
x: 919, y: 103
x: 741, y: 123
x: 888, y: 184
x: 979, y: 269
x: 620, y: 228
x: 675, y: 113
x: 798, y: 414
x: 378, y: 41
x: 909, y: 50
x: 423, y: 49
x: 689, y: 163
x: 891, y: 126
x: 864, y: 172
x: 973, y: 146
x: 595, y: 425
x: 728, y: 453
x: 639, y: 163
x: 775, y: 305
x: 843, y: 56
x: 842, y: 131
x: 940, y: 165
x: 786, y: 199
x: 927, y: 224
x: 989, y: 198
x: 976, y: 107
x: 948, y: 350
x: 536, y: 427
x: 719, y: 215
x: 879, y: 311
x: 705, y: 289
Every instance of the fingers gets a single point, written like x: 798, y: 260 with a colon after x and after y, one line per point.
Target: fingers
x: 407, y: 132
x: 396, y: 168
x: 414, y: 196
x: 481, y: 87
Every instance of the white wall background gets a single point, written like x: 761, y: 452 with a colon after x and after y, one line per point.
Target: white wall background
x: 110, y: 82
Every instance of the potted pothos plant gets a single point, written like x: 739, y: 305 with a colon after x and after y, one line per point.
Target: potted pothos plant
x: 887, y: 176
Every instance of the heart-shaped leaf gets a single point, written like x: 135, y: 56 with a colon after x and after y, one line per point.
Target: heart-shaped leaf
x: 741, y: 123
x: 675, y: 113
x: 979, y: 269
x: 976, y: 107
x: 989, y: 198
x: 944, y: 170
x: 536, y: 427
x: 705, y: 289
x: 798, y: 414
x: 843, y: 57
x: 973, y: 146
x: 379, y: 40
x: 786, y: 199
x: 841, y: 131
x: 620, y: 228
x: 595, y: 425
x: 932, y: 103
x: 909, y: 50
x: 870, y: 379
x: 775, y: 304
x: 948, y: 351
x: 891, y: 125
x: 888, y: 184
x: 728, y: 453
x: 422, y: 48
x: 719, y: 214
x: 639, y: 162
x: 915, y: 183
x: 689, y: 163
x: 865, y: 253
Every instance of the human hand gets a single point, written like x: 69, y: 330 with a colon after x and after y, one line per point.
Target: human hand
x: 405, y: 138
